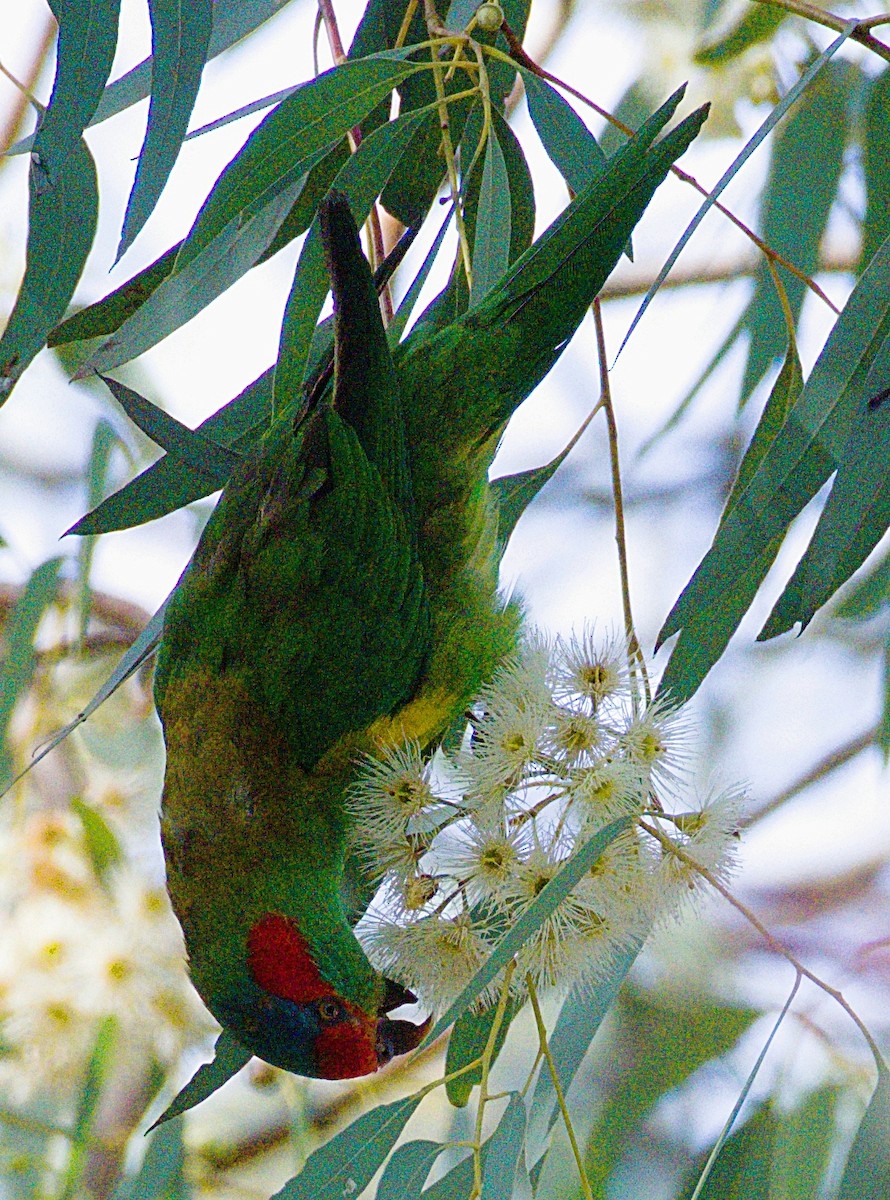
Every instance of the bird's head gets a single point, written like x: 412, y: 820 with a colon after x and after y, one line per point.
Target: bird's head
x: 292, y: 1017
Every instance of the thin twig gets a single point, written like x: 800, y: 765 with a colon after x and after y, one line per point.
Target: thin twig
x: 544, y: 1049
x: 633, y: 645
x: 772, y: 942
x: 837, y: 758
x: 810, y: 12
x: 11, y: 129
x: 520, y: 56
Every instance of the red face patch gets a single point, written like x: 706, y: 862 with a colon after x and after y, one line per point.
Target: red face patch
x: 347, y: 1050
x: 280, y: 962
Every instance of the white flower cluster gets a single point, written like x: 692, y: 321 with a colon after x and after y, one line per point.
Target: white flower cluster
x: 75, y: 949
x: 556, y: 750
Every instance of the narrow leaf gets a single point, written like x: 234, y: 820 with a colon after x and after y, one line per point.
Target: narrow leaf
x: 571, y: 146
x: 19, y: 658
x: 215, y: 463
x: 579, y: 1019
x: 467, y: 1043
x: 855, y: 518
x: 504, y: 1151
x: 187, y: 291
x: 544, y: 904
x: 407, y: 1170
x: 229, y: 1057
x: 232, y: 21
x: 291, y: 140
x: 738, y: 162
x: 345, y: 1165
x: 808, y: 448
x: 491, y: 246
x: 805, y: 169
x: 97, y: 1070
x: 755, y: 25
x: 62, y: 213
x: 162, y: 1174
x: 109, y: 313
x: 180, y: 37
x: 876, y: 165
x: 142, y: 649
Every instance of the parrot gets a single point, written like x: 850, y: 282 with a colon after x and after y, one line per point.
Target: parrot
x: 344, y: 596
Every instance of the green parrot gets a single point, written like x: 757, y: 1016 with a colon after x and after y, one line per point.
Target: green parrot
x: 344, y: 596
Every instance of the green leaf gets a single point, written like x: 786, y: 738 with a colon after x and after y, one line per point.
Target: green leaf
x: 162, y: 1174
x: 876, y: 165
x: 491, y: 245
x: 291, y: 140
x: 467, y: 1043
x: 63, y: 195
x: 109, y: 313
x: 579, y: 1019
x: 103, y: 848
x: 62, y: 213
x: 91, y: 1093
x: 784, y: 395
x: 345, y: 1165
x: 853, y: 521
x: 142, y: 649
x: 738, y: 162
x: 805, y: 169
x: 504, y: 1152
x: 188, y: 290
x: 205, y: 457
x: 522, y: 191
x: 571, y: 146
x: 180, y: 37
x: 104, y: 441
x: 807, y: 449
x: 515, y: 493
x: 361, y: 180
x: 170, y: 483
x: 84, y: 54
x: 232, y: 21
x: 867, y: 1173
x: 869, y: 595
x: 407, y: 1170
x: 755, y: 25
x: 802, y: 1147
x: 402, y: 315
x: 531, y: 920
x: 229, y: 1057
x: 662, y: 1044
x: 742, y: 1168
x: 19, y: 659
x: 457, y: 1183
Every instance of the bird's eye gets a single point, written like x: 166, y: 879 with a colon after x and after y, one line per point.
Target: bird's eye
x: 330, y: 1010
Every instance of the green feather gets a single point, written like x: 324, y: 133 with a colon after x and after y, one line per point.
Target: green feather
x: 344, y: 592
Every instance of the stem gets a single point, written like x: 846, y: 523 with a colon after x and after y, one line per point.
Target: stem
x: 557, y: 1087
x: 634, y: 650
x: 520, y: 56
x: 487, y: 1054
x: 772, y: 942
x: 800, y: 8
x: 837, y: 758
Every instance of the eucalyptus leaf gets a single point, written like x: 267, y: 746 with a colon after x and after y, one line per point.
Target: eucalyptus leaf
x: 229, y: 1057
x: 180, y: 39
x: 345, y: 1165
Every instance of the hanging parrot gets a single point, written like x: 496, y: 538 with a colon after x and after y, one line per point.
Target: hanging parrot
x: 344, y: 596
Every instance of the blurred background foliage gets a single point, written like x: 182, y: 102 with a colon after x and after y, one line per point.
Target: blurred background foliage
x: 99, y: 1023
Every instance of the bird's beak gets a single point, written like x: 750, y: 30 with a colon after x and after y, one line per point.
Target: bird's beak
x: 398, y: 1037
x: 394, y: 997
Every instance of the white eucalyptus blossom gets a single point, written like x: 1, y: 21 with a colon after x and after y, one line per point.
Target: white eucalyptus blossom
x: 560, y: 749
